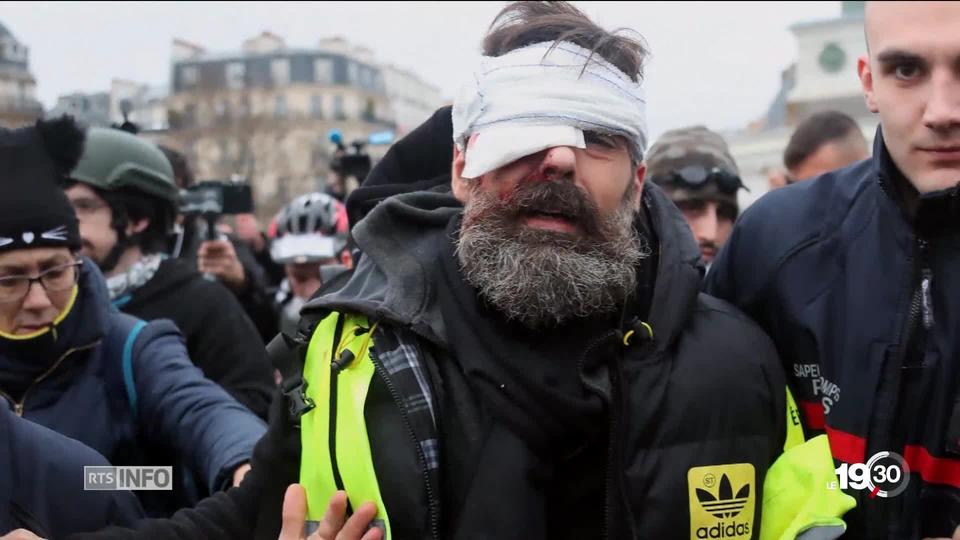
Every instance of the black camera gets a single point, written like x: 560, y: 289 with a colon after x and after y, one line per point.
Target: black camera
x: 355, y: 162
x: 349, y: 163
x: 213, y: 198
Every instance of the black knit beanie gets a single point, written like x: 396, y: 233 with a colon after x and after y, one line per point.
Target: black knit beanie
x: 34, y: 210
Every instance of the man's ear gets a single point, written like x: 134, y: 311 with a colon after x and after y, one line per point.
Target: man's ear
x: 457, y: 183
x: 136, y: 227
x: 638, y: 181
x: 866, y: 81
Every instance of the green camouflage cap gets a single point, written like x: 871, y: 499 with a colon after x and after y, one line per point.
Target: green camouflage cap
x: 690, y: 146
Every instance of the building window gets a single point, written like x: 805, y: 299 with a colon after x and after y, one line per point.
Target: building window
x: 280, y: 71
x: 236, y: 73
x: 222, y: 111
x: 338, y: 113
x: 280, y: 106
x: 189, y: 75
x: 316, y: 106
x: 353, y: 76
x: 370, y: 111
x: 323, y: 71
x: 190, y: 115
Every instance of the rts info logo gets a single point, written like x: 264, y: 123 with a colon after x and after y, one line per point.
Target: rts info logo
x: 885, y: 474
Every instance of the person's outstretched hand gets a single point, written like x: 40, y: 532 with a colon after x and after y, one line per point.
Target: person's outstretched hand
x: 334, y: 526
x: 20, y: 534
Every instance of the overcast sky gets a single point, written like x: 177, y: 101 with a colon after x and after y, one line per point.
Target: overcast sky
x: 716, y: 63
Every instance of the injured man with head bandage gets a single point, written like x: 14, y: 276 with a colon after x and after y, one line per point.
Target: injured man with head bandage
x: 522, y: 351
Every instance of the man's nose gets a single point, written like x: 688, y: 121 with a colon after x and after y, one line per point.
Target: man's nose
x: 943, y: 108
x: 36, y: 299
x: 707, y: 225
x: 558, y: 162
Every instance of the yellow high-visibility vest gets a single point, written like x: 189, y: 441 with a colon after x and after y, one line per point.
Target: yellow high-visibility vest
x: 333, y: 435
x: 797, y: 502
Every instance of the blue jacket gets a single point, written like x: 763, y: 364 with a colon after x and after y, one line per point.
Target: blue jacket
x: 157, y: 409
x: 856, y: 278
x: 41, y: 483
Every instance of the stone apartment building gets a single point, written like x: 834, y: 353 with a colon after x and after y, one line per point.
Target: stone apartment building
x: 264, y: 112
x: 18, y: 102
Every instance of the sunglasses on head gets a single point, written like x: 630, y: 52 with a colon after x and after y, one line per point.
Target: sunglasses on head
x: 698, y: 176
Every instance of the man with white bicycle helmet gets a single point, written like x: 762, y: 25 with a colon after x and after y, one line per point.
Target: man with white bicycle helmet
x: 310, y: 242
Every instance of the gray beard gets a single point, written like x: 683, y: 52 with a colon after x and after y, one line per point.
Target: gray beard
x: 544, y: 279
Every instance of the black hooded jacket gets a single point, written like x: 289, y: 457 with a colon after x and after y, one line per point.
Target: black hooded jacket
x: 419, y: 161
x: 221, y: 340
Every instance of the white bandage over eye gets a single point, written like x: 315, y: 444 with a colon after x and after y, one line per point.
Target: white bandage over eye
x: 541, y: 96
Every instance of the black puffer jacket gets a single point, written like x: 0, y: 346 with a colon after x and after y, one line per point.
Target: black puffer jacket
x: 707, y: 391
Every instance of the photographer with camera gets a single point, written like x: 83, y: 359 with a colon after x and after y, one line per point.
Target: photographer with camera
x: 125, y: 197
x: 349, y: 166
x: 225, y: 257
x: 245, y: 266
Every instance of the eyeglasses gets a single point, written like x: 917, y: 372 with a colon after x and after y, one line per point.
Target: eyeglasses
x: 697, y: 176
x: 86, y: 207
x: 57, y: 279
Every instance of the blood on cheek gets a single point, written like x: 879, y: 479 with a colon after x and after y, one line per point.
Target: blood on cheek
x: 503, y: 196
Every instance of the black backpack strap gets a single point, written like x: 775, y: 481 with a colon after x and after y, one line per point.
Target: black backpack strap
x: 288, y: 355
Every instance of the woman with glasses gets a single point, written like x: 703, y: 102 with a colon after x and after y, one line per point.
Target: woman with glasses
x: 41, y: 471
x: 71, y: 362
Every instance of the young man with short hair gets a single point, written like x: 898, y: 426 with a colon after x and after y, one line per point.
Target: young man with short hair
x: 826, y: 141
x: 856, y: 277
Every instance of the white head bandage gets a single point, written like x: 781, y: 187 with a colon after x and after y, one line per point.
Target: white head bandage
x: 541, y: 96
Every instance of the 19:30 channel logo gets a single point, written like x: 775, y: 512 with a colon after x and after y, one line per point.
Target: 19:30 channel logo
x: 886, y: 474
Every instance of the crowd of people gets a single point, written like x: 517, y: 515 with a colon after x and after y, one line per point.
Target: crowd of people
x: 528, y: 320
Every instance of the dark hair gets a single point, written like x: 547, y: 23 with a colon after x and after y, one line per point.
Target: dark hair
x: 128, y: 204
x: 814, y: 132
x: 524, y: 23
x: 182, y: 174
